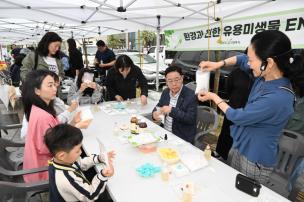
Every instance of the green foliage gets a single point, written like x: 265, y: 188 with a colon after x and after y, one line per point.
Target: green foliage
x: 168, y: 34
x: 147, y: 37
x: 114, y: 42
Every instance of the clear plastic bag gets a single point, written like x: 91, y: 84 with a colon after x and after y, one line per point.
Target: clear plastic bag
x: 202, y: 81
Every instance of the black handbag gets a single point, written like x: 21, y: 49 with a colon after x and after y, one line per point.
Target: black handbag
x: 247, y: 185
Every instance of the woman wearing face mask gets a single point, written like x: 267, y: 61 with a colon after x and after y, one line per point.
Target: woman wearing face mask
x: 123, y: 79
x: 85, y: 90
x: 46, y: 56
x: 38, y: 94
x: 257, y: 127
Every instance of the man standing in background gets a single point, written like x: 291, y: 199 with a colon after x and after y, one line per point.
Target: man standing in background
x: 104, y: 58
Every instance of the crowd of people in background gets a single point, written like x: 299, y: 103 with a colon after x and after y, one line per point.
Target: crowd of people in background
x: 265, y: 96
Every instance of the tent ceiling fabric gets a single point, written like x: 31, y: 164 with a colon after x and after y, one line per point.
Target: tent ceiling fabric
x: 25, y: 21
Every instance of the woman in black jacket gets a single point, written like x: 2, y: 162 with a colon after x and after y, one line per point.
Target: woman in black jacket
x: 123, y: 79
x: 76, y: 62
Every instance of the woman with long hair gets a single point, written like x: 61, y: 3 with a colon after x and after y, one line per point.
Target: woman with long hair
x: 38, y: 93
x: 123, y: 79
x: 85, y: 90
x: 46, y: 56
x: 75, y: 59
x: 257, y: 127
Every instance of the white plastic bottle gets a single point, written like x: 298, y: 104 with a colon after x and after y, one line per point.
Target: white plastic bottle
x: 207, y: 152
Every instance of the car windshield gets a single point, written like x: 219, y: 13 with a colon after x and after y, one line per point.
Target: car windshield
x: 146, y: 59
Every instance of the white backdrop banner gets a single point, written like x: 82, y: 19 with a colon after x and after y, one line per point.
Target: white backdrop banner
x: 235, y: 34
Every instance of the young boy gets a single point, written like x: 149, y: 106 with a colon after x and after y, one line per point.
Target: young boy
x: 67, y: 181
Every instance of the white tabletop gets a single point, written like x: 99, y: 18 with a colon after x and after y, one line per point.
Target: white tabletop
x: 132, y: 106
x: 216, y: 182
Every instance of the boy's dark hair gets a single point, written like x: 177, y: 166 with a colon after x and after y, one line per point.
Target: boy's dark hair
x: 100, y: 43
x: 173, y: 69
x: 62, y: 137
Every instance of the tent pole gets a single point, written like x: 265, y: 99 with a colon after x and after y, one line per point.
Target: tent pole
x: 139, y: 50
x: 157, y: 51
x: 127, y: 40
x: 84, y: 45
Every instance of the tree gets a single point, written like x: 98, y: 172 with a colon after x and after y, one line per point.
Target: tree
x: 114, y: 42
x: 148, y: 37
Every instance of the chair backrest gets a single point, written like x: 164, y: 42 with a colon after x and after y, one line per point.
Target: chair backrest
x: 191, y: 85
x: 16, y: 190
x: 10, y: 121
x: 291, y: 148
x: 207, y: 120
x: 5, y: 155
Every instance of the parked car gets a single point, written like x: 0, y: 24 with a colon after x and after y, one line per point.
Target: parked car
x: 189, y: 61
x: 164, y: 54
x: 148, y: 67
x: 169, y: 56
x: 152, y: 52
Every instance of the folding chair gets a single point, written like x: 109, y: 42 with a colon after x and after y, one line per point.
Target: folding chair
x: 290, y: 150
x: 207, y: 122
x: 14, y: 191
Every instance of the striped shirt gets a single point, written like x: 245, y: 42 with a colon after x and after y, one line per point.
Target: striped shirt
x: 173, y: 102
x: 68, y: 183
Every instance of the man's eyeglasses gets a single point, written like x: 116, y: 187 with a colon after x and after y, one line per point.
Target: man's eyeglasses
x: 171, y: 81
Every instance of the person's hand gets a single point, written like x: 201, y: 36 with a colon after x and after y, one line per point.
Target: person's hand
x: 111, y: 156
x: 76, y: 118
x: 165, y: 109
x: 204, y: 96
x: 210, y: 66
x: 118, y: 98
x: 101, y: 65
x: 108, y: 171
x: 143, y: 100
x: 96, y: 62
x: 73, y: 106
x: 92, y: 85
x: 156, y: 116
x: 83, y: 86
x: 78, y: 123
x: 83, y: 124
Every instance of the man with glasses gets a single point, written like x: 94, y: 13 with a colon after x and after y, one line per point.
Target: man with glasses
x: 178, y: 104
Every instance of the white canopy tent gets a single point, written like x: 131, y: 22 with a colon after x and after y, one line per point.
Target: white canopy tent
x: 22, y: 20
x: 25, y: 21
